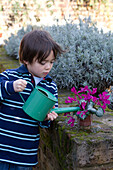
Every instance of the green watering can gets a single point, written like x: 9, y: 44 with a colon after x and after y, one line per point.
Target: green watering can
x: 40, y: 103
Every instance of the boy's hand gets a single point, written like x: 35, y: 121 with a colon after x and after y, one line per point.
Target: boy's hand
x: 51, y: 116
x: 19, y: 85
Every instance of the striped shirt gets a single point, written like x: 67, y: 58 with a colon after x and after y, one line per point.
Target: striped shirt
x: 19, y: 133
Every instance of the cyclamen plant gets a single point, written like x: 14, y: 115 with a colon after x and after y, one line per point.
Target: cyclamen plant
x: 88, y: 103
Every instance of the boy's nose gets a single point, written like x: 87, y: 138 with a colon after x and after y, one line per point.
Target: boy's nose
x: 48, y: 66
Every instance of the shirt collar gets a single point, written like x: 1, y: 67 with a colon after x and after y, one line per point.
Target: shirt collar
x: 23, y: 69
x: 48, y: 78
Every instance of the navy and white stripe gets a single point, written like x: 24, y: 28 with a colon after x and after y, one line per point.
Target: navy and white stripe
x: 19, y: 133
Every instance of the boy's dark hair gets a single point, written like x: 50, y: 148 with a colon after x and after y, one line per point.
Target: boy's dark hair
x: 37, y: 44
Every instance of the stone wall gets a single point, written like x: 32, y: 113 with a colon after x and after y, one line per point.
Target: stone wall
x: 66, y: 148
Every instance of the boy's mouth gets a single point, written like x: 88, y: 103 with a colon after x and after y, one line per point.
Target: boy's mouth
x: 45, y: 73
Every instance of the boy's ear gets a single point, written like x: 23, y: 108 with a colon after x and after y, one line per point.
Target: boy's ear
x: 25, y: 62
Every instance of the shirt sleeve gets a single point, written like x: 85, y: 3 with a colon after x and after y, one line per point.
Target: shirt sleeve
x: 6, y: 86
x: 56, y: 95
x: 45, y: 124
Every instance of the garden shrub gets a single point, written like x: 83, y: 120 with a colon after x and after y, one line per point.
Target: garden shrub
x: 88, y: 59
x: 13, y: 42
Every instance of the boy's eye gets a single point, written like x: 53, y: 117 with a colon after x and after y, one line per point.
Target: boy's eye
x: 42, y: 63
x: 52, y: 62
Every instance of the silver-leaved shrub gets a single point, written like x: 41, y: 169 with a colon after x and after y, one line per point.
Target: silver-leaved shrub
x: 88, y: 59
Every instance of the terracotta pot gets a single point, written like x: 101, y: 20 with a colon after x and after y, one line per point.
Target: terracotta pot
x: 86, y: 122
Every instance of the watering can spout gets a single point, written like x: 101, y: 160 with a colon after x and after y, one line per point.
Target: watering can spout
x: 65, y: 110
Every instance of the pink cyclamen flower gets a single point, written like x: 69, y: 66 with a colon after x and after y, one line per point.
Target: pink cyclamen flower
x: 67, y: 101
x: 70, y: 100
x: 78, y: 112
x: 94, y: 91
x: 94, y: 99
x: 103, y: 106
x: 104, y: 97
x: 98, y: 102
x: 83, y: 89
x: 80, y: 97
x: 83, y: 105
x: 71, y: 121
x: 82, y: 114
x: 87, y: 97
x: 74, y: 90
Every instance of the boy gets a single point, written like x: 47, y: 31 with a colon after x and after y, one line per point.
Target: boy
x: 19, y: 133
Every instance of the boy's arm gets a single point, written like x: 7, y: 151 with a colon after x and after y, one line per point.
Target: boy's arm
x: 50, y: 117
x: 6, y: 86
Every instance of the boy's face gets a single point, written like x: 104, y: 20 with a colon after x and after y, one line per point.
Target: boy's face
x: 41, y: 69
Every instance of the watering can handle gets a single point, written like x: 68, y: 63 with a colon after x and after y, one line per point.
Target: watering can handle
x: 21, y: 94
x: 21, y: 97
